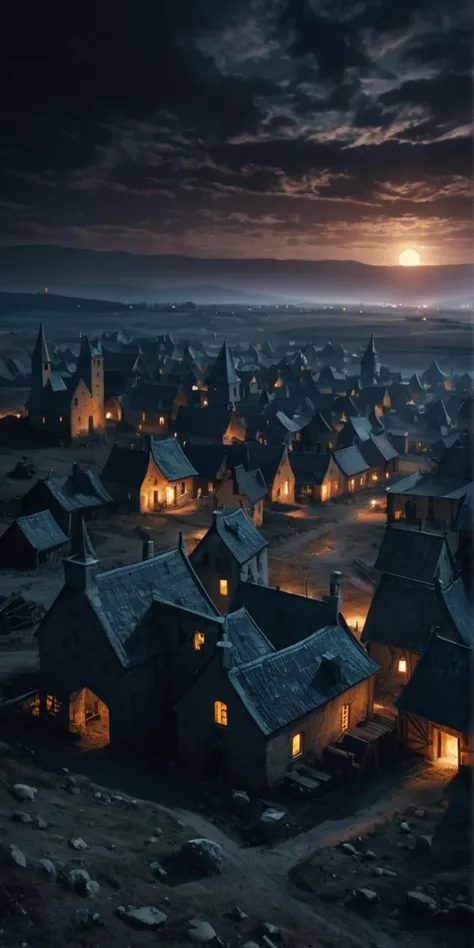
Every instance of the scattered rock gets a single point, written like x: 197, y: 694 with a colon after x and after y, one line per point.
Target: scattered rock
x: 240, y: 800
x: 349, y: 849
x: 419, y: 813
x: 250, y: 944
x: 97, y: 919
x: 82, y: 918
x: 91, y: 889
x: 23, y: 792
x: 369, y: 854
x: 238, y: 914
x: 39, y: 822
x: 157, y: 832
x: 116, y: 798
x: 49, y: 868
x: 405, y: 827
x: 269, y: 929
x: 70, y: 781
x: 18, y: 857
x: 420, y: 902
x: 267, y: 941
x: 424, y: 843
x: 147, y: 917
x: 158, y: 869
x: 151, y: 840
x: 379, y: 871
x: 77, y: 843
x: 19, y: 816
x: 200, y: 932
x: 203, y: 854
x: 79, y: 879
x: 367, y: 896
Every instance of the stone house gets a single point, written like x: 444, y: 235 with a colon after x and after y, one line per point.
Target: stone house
x: 67, y: 405
x: 104, y: 648
x: 418, y: 591
x: 152, y: 408
x: 32, y: 541
x: 147, y: 479
x: 69, y: 498
x: 251, y: 720
x: 212, y: 425
x: 241, y: 488
x: 273, y: 462
x: 353, y: 471
x: 232, y: 550
x: 434, y: 714
x: 317, y: 477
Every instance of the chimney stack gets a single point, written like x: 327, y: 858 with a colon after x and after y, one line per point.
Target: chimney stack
x: 75, y: 472
x: 226, y: 651
x: 148, y: 549
x: 334, y: 598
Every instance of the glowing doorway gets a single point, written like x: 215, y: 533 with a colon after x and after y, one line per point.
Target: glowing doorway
x: 89, y: 718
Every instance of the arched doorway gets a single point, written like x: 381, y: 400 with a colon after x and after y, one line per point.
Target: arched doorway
x: 89, y: 718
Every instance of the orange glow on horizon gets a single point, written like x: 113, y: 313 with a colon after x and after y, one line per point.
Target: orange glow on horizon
x: 409, y: 258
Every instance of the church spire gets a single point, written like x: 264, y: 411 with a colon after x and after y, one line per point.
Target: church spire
x: 40, y: 352
x: 40, y: 363
x: 80, y: 566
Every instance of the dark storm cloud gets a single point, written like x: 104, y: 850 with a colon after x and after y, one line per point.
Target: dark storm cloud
x: 228, y: 125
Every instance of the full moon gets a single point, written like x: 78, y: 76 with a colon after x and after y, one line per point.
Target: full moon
x: 409, y: 258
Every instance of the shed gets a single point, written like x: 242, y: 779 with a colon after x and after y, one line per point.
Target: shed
x: 32, y: 541
x: 68, y: 497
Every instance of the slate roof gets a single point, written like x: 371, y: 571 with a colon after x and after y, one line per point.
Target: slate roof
x: 77, y: 491
x: 414, y: 554
x: 211, y: 421
x: 402, y: 613
x: 287, y: 685
x: 308, y: 467
x: 378, y: 450
x: 430, y: 485
x: 362, y: 427
x: 464, y: 519
x: 284, y: 617
x: 123, y: 599
x: 433, y: 374
x: 251, y: 484
x: 41, y: 531
x: 151, y: 397
x: 459, y: 610
x: 171, y: 459
x: 350, y: 460
x: 40, y: 351
x: 239, y: 535
x: 253, y: 455
x: 456, y: 462
x: 126, y: 466
x: 223, y: 371
x: 247, y: 639
x: 439, y: 688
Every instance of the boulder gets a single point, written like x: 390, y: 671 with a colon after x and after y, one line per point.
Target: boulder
x: 240, y: 801
x: 203, y: 854
x: 78, y: 844
x: 380, y: 871
x: 23, y: 792
x: 49, y: 868
x: 19, y: 816
x: 424, y: 843
x: 158, y: 869
x: 200, y: 932
x: 269, y: 929
x: 39, y: 822
x: 419, y: 813
x: 238, y: 914
x: 270, y: 821
x: 18, y: 857
x: 147, y: 917
x: 349, y: 849
x: 405, y: 827
x: 366, y: 896
x: 91, y: 889
x: 369, y: 854
x: 420, y: 902
x: 79, y: 879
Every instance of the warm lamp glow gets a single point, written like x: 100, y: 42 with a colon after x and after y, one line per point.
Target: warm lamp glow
x: 409, y: 258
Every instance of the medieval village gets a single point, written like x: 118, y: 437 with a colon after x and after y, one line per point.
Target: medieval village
x: 235, y: 581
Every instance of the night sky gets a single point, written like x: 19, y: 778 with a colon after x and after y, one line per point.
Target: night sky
x: 300, y: 129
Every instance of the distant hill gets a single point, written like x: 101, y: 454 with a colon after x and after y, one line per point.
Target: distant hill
x: 110, y: 275
x: 51, y: 303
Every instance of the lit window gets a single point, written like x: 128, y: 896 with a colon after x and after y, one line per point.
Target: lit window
x: 387, y: 475
x: 109, y: 415
x: 140, y: 427
x: 324, y: 492
x: 210, y: 487
x: 220, y: 713
x: 183, y: 488
x: 329, y: 445
x: 223, y: 587
x: 297, y: 745
x: 198, y: 641
x: 143, y: 416
x: 195, y: 388
x: 351, y: 484
x: 344, y: 416
x: 287, y: 488
x: 334, y: 485
x: 205, y: 402
x: 60, y: 419
x: 375, y: 477
x: 345, y: 714
x: 43, y: 420
x: 402, y: 666
x: 361, y: 482
x: 162, y: 420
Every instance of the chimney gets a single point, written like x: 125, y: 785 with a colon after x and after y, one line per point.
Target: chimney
x: 181, y: 543
x: 75, y: 472
x: 148, y: 549
x: 226, y: 651
x: 334, y: 598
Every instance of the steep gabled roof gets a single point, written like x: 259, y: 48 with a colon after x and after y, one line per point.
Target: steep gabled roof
x: 402, y: 613
x: 223, y: 371
x: 439, y: 688
x: 251, y: 484
x: 459, y: 611
x: 378, y: 450
x: 77, y: 491
x: 169, y: 456
x: 413, y: 554
x: 239, y: 535
x: 284, y: 686
x: 433, y: 374
x: 308, y: 467
x: 464, y: 518
x: 40, y: 351
x: 41, y: 531
x: 350, y: 460
x: 284, y: 617
x: 247, y: 639
x: 206, y: 459
x: 204, y: 422
x: 126, y: 466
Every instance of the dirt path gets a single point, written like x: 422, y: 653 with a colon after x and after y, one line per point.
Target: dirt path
x: 290, y: 547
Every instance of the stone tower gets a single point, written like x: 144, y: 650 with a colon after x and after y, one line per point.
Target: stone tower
x: 223, y: 382
x: 80, y: 567
x: 90, y: 368
x: 40, y: 363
